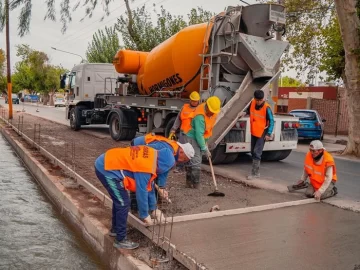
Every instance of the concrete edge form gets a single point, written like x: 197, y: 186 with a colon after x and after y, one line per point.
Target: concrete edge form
x: 95, y: 236
x: 263, y: 184
x: 245, y: 210
x: 183, y: 258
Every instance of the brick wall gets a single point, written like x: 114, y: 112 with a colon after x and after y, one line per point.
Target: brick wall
x: 329, y: 110
x: 296, y: 103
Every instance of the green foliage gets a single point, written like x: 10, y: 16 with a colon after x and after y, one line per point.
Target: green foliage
x: 290, y: 82
x: 2, y: 71
x: 103, y: 47
x: 34, y: 73
x: 152, y: 35
x: 65, y: 11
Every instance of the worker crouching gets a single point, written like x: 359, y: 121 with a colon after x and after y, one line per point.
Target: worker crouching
x: 319, y: 167
x: 121, y: 170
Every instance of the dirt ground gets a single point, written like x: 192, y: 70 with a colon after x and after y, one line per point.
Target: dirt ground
x: 80, y: 149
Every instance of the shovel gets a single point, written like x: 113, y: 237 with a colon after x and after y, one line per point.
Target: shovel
x: 216, y: 192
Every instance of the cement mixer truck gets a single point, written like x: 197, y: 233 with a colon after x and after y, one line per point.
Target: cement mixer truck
x: 231, y: 56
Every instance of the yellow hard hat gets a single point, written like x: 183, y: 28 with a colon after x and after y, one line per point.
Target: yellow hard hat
x: 194, y: 96
x: 214, y: 104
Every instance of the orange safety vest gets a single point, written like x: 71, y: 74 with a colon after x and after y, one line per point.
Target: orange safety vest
x: 185, y: 117
x: 209, y: 121
x: 150, y: 138
x: 144, y: 160
x: 316, y: 172
x: 258, y: 121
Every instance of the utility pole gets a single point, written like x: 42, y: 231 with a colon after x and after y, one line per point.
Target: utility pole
x: 275, y: 86
x: 9, y: 85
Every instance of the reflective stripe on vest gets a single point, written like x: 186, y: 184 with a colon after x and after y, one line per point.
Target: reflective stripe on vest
x: 149, y: 138
x: 144, y: 161
x: 209, y: 121
x: 258, y: 121
x: 185, y: 117
x: 316, y: 172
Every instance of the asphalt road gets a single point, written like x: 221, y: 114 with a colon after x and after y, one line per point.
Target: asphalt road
x: 284, y: 172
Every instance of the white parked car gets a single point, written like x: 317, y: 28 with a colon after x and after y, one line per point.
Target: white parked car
x: 59, y: 102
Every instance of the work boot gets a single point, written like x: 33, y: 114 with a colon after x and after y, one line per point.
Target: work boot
x: 125, y: 244
x: 112, y: 233
x: 254, y: 170
x: 196, y: 186
x: 335, y: 191
x: 188, y: 184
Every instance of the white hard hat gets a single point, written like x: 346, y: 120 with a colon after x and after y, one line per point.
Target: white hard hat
x: 188, y: 149
x: 316, y: 145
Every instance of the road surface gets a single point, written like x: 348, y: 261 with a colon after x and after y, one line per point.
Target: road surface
x: 285, y: 172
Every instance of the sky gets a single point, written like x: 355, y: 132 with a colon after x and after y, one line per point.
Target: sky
x: 46, y: 34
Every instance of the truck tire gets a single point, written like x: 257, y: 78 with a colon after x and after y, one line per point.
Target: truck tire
x: 230, y: 158
x: 117, y: 120
x: 218, y: 155
x: 131, y: 134
x: 75, y: 118
x: 275, y: 155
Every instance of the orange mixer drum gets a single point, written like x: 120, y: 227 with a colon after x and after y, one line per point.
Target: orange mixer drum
x: 171, y: 64
x: 129, y: 62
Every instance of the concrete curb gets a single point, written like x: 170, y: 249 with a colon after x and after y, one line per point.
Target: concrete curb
x: 263, y: 184
x: 94, y: 235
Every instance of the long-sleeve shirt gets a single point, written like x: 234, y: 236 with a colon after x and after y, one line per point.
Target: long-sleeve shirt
x: 328, y: 176
x: 269, y: 120
x: 157, y: 145
x: 197, y: 131
x: 165, y: 162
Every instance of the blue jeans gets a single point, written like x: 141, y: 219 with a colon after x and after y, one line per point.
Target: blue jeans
x: 257, y: 146
x: 121, y: 203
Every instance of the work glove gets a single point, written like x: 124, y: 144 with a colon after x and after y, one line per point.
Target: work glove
x: 158, y: 216
x: 148, y: 221
x: 207, y: 153
x: 172, y: 136
x: 163, y: 193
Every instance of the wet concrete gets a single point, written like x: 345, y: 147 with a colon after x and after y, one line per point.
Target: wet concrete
x: 316, y: 236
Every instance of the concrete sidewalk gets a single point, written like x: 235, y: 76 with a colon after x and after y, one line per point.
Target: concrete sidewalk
x: 340, y: 139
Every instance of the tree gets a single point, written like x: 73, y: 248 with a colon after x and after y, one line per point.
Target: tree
x: 349, y: 20
x: 290, y: 82
x: 103, y: 47
x: 152, y: 35
x: 2, y: 71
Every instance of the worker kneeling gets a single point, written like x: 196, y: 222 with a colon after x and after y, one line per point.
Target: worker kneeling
x: 121, y: 170
x: 321, y: 170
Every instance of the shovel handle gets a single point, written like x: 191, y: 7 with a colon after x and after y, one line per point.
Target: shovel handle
x: 213, y: 174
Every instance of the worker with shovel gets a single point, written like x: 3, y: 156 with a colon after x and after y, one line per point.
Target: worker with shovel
x: 320, y: 168
x: 202, y: 123
x: 182, y: 154
x: 121, y: 170
x: 261, y: 127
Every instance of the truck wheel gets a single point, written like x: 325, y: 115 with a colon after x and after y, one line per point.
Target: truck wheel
x: 218, y: 155
x: 275, y: 155
x: 230, y: 158
x: 75, y: 119
x: 115, y: 127
x: 131, y: 134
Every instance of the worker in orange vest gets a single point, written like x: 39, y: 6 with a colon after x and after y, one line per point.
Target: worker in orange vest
x: 159, y: 142
x: 261, y: 127
x: 127, y: 169
x: 183, y: 119
x: 319, y: 167
x: 202, y: 123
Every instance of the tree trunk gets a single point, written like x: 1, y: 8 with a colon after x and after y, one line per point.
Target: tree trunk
x: 350, y: 25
